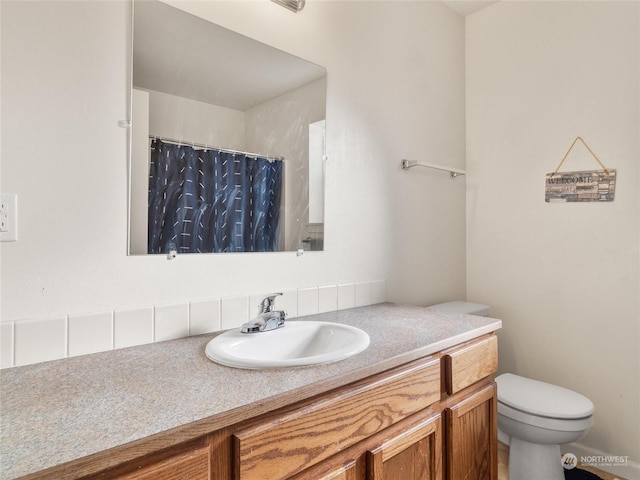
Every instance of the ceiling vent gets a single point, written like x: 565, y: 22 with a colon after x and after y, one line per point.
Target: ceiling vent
x: 293, y: 5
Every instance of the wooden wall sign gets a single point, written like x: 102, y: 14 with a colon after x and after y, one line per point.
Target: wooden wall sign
x: 587, y: 186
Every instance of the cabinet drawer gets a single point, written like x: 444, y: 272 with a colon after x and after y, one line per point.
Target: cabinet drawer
x: 286, y: 444
x: 463, y: 366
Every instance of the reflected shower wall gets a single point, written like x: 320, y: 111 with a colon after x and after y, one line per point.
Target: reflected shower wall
x: 282, y: 125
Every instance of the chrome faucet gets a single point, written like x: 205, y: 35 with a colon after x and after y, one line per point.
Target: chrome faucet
x: 267, y: 319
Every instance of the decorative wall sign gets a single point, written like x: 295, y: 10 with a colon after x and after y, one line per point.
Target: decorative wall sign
x: 585, y: 186
x: 588, y: 186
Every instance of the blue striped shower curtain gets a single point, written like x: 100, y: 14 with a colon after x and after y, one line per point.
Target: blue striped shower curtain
x: 208, y: 201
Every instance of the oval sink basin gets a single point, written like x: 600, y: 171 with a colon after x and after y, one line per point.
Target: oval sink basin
x: 296, y: 344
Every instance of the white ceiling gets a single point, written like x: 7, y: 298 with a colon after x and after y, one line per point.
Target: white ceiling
x: 180, y: 54
x: 467, y: 7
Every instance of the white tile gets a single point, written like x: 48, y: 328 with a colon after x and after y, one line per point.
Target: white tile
x: 133, y: 327
x: 40, y: 340
x: 6, y: 345
x: 327, y: 298
x: 170, y: 322
x: 204, y: 316
x: 363, y: 294
x: 346, y: 296
x: 234, y: 311
x: 307, y: 301
x: 378, y: 291
x: 90, y: 333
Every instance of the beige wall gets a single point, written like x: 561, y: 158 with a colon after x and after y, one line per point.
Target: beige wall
x: 395, y: 89
x: 562, y: 277
x: 190, y: 120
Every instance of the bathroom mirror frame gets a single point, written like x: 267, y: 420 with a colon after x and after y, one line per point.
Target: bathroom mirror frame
x: 285, y: 120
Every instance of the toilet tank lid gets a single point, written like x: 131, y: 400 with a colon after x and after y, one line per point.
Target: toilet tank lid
x: 458, y: 306
x: 542, y: 399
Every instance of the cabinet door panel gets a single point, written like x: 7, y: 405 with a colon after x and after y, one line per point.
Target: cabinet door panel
x: 472, y: 437
x: 413, y: 455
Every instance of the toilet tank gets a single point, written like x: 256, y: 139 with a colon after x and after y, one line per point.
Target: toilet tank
x: 458, y: 306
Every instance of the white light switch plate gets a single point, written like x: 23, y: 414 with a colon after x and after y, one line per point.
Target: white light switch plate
x: 8, y: 217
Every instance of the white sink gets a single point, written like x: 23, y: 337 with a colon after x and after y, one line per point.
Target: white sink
x: 296, y: 344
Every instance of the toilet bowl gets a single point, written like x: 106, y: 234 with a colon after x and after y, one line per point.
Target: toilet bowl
x: 535, y: 418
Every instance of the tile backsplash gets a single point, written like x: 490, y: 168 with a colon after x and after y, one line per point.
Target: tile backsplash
x: 37, y: 340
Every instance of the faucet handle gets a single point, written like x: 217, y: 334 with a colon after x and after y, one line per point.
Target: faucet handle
x: 267, y: 303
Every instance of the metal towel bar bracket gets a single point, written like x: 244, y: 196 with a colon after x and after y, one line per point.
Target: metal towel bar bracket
x: 453, y: 172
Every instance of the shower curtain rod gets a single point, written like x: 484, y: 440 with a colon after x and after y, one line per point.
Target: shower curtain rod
x: 271, y: 158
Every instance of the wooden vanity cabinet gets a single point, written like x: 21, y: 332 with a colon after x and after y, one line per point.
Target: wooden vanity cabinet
x: 431, y: 419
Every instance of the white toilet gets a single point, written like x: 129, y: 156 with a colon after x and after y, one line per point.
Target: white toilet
x: 534, y: 418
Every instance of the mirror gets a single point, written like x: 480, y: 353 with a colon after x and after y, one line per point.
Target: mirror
x: 209, y: 104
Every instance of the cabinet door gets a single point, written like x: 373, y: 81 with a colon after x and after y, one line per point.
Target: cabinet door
x: 415, y: 454
x: 472, y: 437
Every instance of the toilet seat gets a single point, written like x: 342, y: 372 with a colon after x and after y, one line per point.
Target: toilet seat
x: 557, y: 424
x: 526, y: 398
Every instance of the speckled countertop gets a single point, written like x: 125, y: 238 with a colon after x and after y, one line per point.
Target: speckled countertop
x: 59, y: 411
